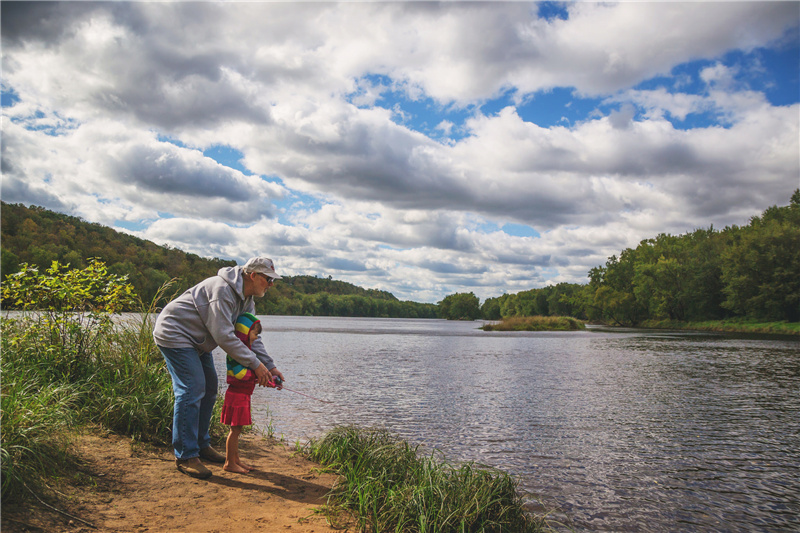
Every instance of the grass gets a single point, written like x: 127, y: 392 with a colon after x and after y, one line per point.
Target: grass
x: 61, y: 372
x: 537, y: 323
x: 36, y: 418
x: 735, y: 325
x: 48, y: 390
x: 387, y: 486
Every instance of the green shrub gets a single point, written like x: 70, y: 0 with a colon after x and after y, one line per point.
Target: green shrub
x: 386, y: 485
x: 537, y: 323
x: 71, y: 359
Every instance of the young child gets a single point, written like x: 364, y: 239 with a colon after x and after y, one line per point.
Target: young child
x: 241, y: 382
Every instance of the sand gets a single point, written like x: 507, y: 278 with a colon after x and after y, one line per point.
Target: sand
x: 135, y: 488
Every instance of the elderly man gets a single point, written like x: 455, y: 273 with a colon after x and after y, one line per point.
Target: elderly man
x: 186, y: 332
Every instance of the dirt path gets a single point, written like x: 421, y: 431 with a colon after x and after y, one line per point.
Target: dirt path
x: 140, y: 490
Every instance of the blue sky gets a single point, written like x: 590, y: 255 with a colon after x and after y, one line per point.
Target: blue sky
x: 423, y: 149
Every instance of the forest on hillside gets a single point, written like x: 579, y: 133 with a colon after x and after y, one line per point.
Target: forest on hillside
x: 749, y: 272
x: 36, y: 236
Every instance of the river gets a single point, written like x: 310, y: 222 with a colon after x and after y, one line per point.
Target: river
x: 609, y: 430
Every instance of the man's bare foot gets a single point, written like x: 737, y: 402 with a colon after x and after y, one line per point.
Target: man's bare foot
x: 245, y: 466
x: 233, y: 467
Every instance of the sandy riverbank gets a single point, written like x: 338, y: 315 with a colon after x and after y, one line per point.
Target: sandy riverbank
x: 138, y: 489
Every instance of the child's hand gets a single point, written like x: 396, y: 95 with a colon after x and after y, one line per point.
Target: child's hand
x: 277, y: 377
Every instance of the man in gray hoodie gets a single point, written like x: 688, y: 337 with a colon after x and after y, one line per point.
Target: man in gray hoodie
x: 187, y: 330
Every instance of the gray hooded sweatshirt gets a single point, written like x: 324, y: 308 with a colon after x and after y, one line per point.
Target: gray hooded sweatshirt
x: 203, y: 318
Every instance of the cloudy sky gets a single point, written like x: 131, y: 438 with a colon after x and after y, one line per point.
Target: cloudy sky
x: 419, y: 148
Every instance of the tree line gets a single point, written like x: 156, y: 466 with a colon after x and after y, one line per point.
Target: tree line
x: 37, y: 237
x: 749, y: 272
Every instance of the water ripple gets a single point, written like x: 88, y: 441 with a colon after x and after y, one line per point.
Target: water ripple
x: 616, y: 431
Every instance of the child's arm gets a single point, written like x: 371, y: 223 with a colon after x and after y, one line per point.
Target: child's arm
x: 261, y: 352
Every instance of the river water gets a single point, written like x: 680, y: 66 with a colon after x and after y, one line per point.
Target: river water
x: 609, y: 430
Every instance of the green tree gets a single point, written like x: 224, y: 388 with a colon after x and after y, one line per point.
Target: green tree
x: 460, y: 306
x: 615, y: 297
x: 704, y: 284
x: 541, y: 302
x: 761, y: 267
x: 491, y: 309
x: 660, y: 276
x: 9, y: 264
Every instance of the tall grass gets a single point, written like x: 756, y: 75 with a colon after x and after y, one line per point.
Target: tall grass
x: 54, y: 382
x: 536, y: 323
x: 131, y: 389
x: 65, y: 370
x: 35, y: 418
x: 387, y: 485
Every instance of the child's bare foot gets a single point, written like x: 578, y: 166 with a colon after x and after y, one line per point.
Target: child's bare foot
x: 245, y: 466
x: 233, y: 467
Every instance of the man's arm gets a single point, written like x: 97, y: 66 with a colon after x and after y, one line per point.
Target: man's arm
x: 265, y: 372
x: 219, y: 324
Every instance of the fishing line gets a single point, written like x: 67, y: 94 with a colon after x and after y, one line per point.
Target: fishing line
x: 279, y: 382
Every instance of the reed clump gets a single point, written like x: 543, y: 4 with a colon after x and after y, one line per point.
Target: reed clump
x: 387, y: 485
x: 69, y: 360
x: 732, y: 325
x: 537, y: 323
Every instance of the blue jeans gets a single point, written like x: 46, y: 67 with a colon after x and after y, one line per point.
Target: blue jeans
x: 194, y: 382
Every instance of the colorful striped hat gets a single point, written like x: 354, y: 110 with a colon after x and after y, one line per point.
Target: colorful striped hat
x: 244, y: 323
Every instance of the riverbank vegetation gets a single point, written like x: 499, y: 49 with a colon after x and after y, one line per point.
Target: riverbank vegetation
x: 748, y: 274
x: 71, y: 361
x: 734, y: 325
x: 536, y: 323
x: 734, y: 276
x: 388, y: 485
x: 36, y: 237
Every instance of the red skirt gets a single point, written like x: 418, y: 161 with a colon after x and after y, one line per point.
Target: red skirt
x: 236, y: 407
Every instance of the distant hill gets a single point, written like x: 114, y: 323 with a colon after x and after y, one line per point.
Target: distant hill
x: 37, y: 236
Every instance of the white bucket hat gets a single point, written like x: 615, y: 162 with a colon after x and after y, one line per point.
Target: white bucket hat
x: 261, y: 265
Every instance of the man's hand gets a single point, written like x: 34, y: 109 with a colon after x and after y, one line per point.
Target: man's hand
x: 263, y: 375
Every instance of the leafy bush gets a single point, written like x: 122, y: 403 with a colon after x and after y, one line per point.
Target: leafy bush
x: 70, y: 359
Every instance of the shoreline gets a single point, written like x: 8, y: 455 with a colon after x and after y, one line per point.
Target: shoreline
x: 728, y: 326
x: 119, y: 485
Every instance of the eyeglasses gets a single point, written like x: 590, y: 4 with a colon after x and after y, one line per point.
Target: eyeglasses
x: 270, y: 281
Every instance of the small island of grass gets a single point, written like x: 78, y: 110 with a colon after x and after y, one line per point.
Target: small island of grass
x: 536, y: 323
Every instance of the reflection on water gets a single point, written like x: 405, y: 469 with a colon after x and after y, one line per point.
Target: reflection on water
x: 616, y: 430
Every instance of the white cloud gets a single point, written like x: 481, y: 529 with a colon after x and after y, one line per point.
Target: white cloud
x: 365, y: 194
x: 100, y: 166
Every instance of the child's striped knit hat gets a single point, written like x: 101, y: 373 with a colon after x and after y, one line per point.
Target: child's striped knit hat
x: 244, y: 323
